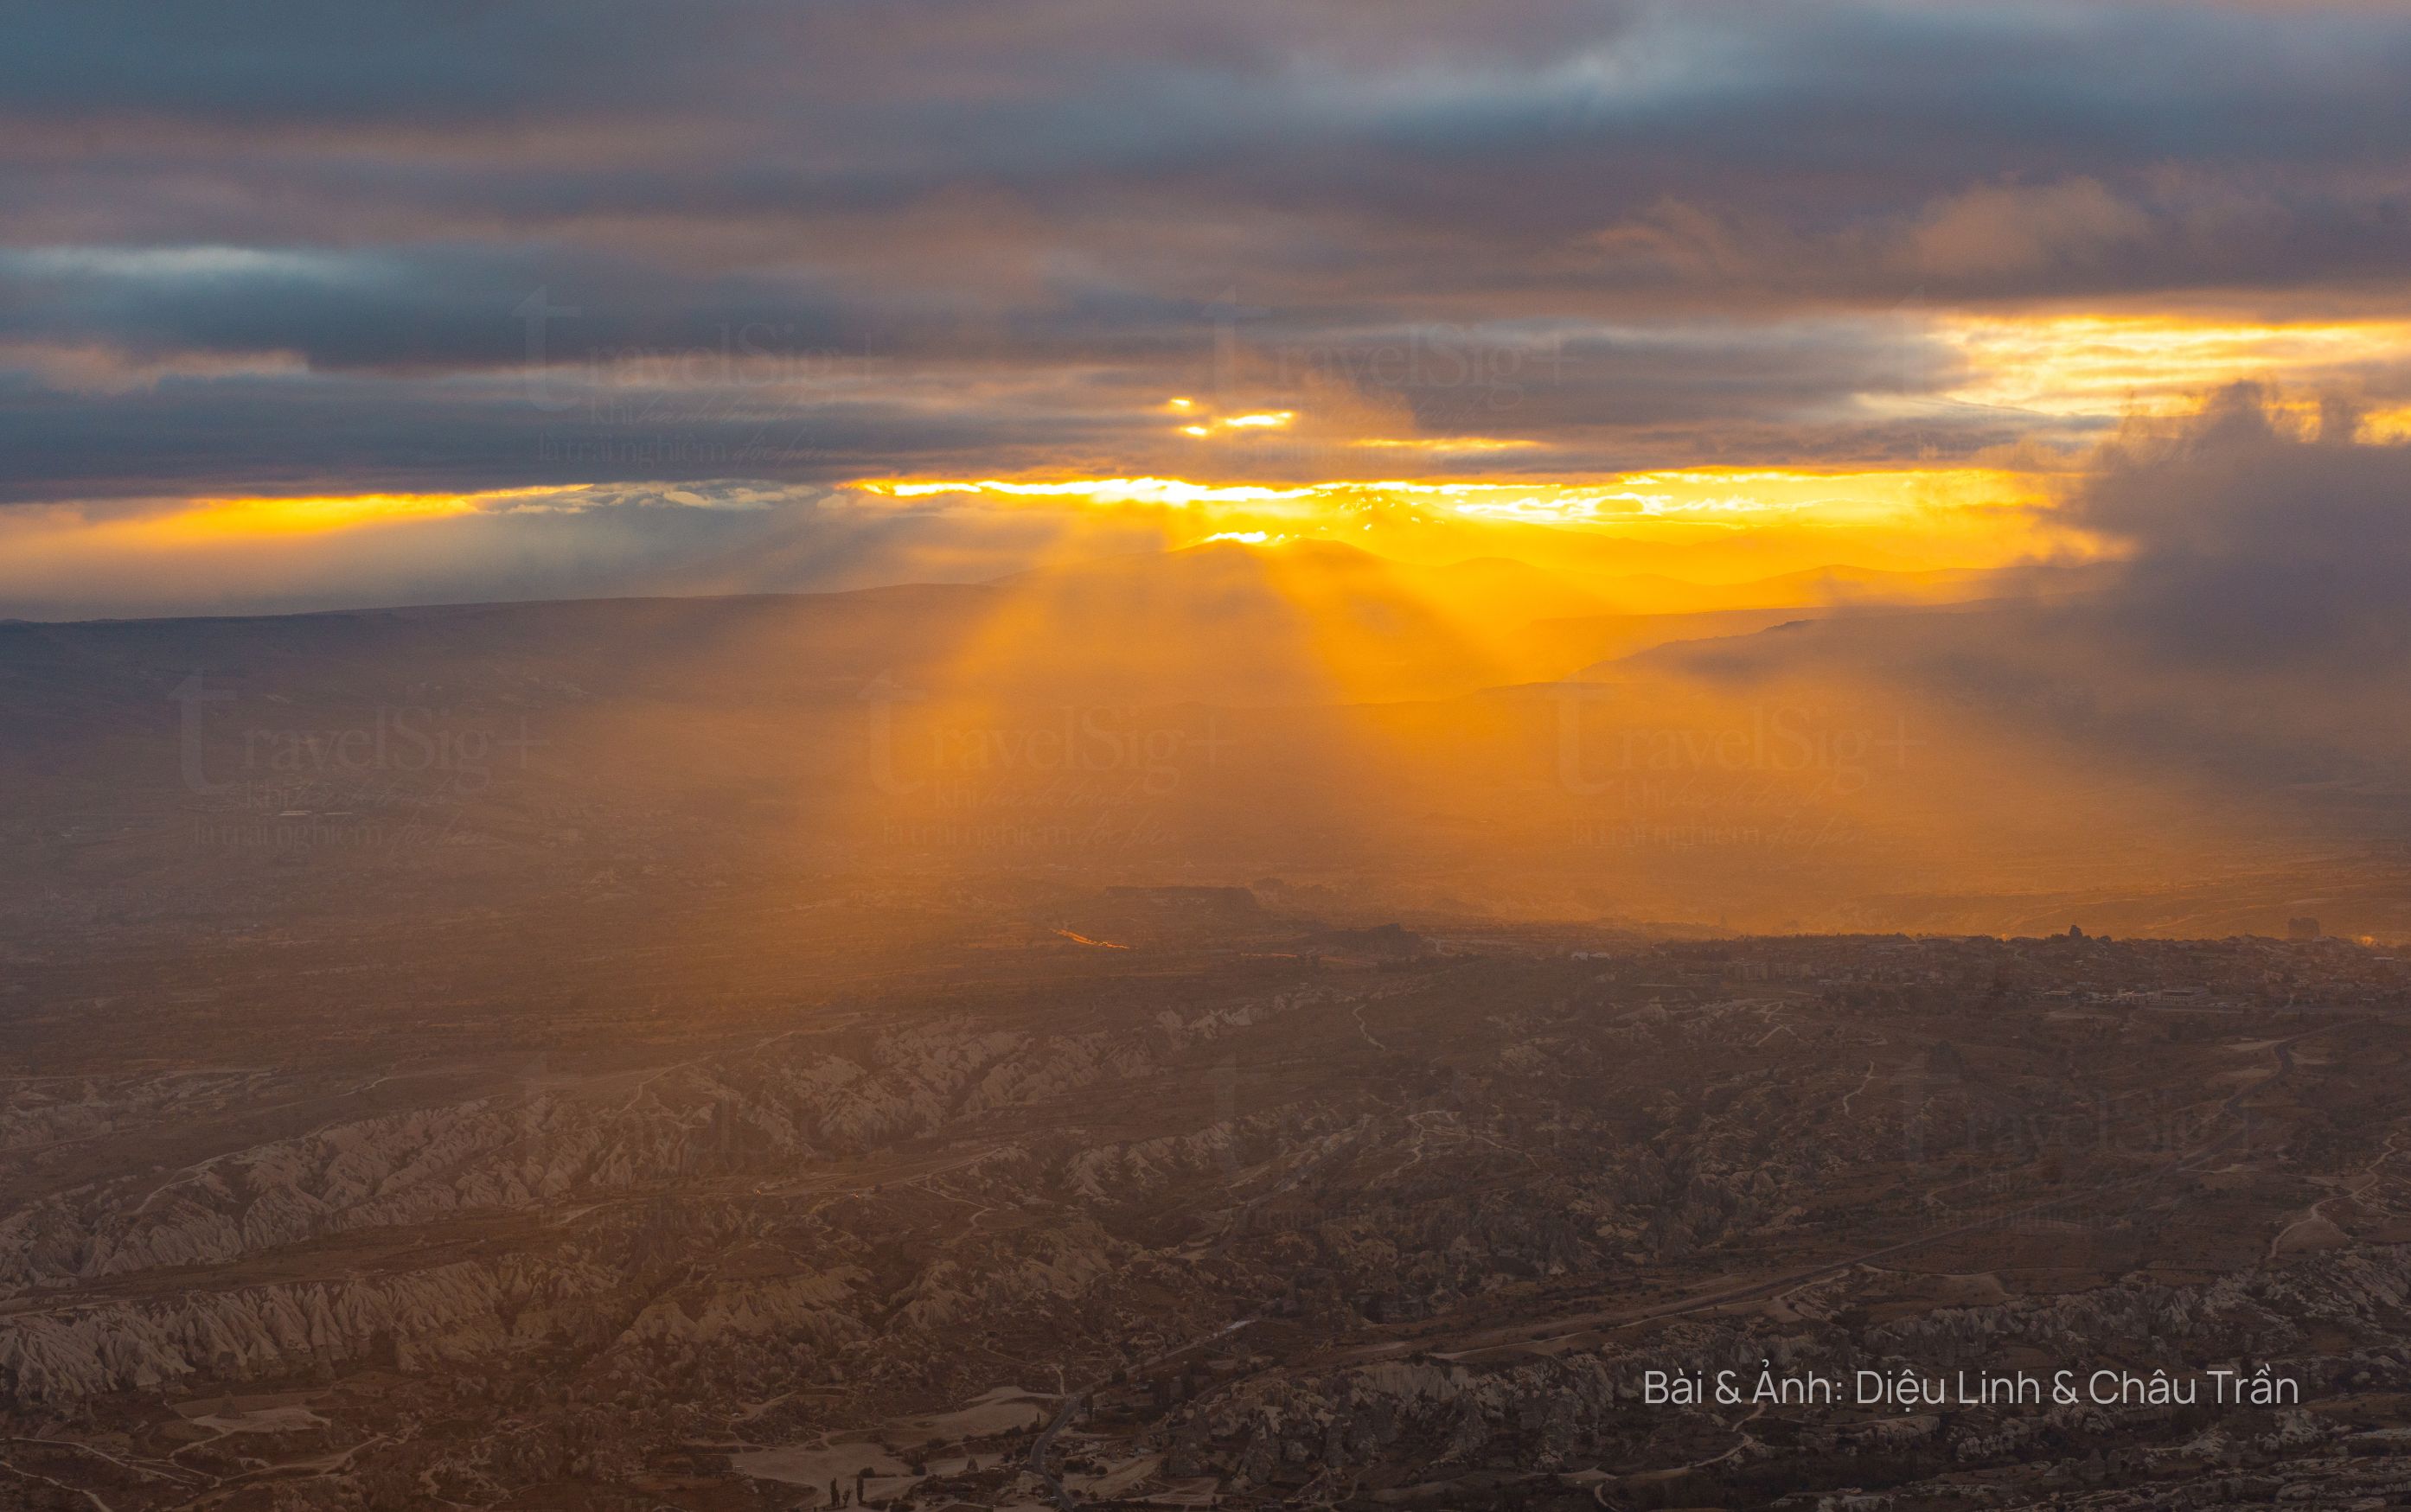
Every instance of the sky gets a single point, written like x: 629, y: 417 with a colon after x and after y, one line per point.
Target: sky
x: 306, y: 306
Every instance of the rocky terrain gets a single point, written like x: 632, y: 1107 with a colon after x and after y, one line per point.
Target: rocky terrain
x: 1220, y: 1223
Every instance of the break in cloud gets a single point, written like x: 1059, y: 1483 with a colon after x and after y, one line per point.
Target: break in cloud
x: 284, y: 248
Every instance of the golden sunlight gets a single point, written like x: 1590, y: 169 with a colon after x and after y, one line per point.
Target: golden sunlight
x: 2109, y: 364
x: 1101, y: 491
x: 1729, y: 494
x: 223, y: 518
x: 1258, y: 420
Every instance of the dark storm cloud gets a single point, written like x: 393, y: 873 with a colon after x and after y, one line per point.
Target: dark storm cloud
x: 750, y: 402
x: 2261, y: 537
x: 1044, y: 216
x: 269, y: 60
x: 1826, y: 118
x: 2257, y: 545
x: 2252, y: 642
x: 425, y: 308
x: 2259, y: 635
x: 278, y: 433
